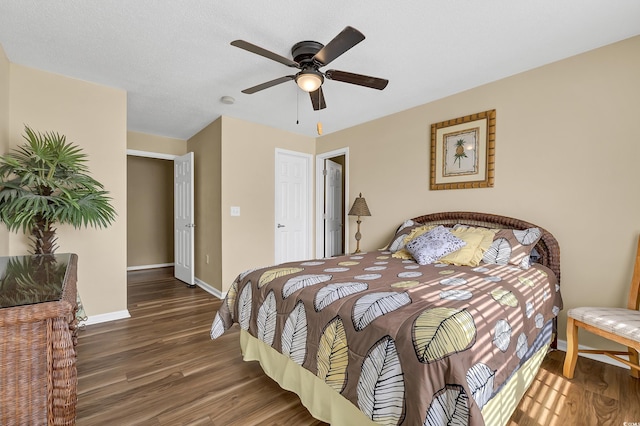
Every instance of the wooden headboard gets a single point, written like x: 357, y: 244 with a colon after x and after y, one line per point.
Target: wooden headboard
x: 547, y: 247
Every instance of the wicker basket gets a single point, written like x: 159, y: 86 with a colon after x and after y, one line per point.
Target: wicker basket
x: 38, y: 378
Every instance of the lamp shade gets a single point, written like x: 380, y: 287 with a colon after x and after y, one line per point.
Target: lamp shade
x: 359, y: 207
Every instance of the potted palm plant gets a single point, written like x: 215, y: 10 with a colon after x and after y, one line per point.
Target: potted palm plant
x: 45, y: 182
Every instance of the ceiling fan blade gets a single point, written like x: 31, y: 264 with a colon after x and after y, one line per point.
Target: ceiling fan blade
x: 344, y: 41
x: 360, y: 80
x: 264, y: 52
x: 317, y: 99
x: 268, y: 84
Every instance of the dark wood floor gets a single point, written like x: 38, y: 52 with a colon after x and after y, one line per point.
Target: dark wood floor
x: 159, y: 367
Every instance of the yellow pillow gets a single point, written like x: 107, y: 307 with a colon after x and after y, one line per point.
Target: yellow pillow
x: 487, y: 240
x: 416, y: 232
x: 478, y: 241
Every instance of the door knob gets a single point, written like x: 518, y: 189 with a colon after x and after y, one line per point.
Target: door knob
x: 280, y: 226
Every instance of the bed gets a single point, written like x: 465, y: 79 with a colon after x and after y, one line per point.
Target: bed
x: 379, y: 338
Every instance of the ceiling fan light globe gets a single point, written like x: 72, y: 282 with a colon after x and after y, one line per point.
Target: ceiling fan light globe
x: 309, y: 81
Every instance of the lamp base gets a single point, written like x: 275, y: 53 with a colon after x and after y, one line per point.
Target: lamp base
x: 358, y: 236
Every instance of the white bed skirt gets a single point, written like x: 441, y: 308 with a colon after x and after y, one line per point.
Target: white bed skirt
x: 327, y: 405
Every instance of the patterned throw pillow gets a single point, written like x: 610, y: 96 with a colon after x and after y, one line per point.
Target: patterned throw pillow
x: 512, y: 246
x: 398, y: 241
x: 403, y: 253
x: 429, y: 247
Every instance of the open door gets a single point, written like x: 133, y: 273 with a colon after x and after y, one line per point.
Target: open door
x: 183, y: 219
x: 333, y: 209
x: 324, y: 244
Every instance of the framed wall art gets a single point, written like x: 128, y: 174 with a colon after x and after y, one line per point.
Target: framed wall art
x: 463, y: 152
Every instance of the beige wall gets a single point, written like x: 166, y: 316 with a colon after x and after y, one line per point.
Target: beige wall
x: 154, y: 143
x: 567, y: 148
x: 206, y: 146
x: 149, y: 211
x: 248, y: 181
x: 94, y: 117
x: 235, y: 166
x: 4, y: 133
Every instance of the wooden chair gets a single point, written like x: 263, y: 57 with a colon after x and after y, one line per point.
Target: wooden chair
x: 616, y: 324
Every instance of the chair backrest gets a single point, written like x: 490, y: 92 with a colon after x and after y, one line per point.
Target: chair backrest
x: 634, y: 293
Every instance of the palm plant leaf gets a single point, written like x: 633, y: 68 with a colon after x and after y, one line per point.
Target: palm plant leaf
x: 46, y: 181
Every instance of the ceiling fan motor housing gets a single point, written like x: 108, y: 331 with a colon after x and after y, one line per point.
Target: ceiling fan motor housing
x: 304, y: 51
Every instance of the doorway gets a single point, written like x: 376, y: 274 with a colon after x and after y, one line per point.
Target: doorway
x: 332, y: 191
x: 153, y: 236
x: 149, y: 213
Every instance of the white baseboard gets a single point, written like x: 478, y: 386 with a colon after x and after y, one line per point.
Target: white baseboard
x: 210, y: 289
x: 562, y: 345
x: 141, y: 267
x: 110, y: 316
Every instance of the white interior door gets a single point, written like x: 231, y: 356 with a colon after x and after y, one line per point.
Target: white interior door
x: 183, y: 218
x: 319, y: 213
x: 333, y: 208
x: 292, y: 205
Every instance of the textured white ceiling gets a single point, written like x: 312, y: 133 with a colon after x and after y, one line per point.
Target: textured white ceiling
x: 175, y: 62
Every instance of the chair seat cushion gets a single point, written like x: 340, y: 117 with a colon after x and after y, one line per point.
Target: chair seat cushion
x: 619, y: 321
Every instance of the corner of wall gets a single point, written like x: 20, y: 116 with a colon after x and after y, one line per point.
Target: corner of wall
x: 206, y: 146
x: 4, y: 132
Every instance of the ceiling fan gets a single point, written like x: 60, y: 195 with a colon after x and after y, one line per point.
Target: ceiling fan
x: 309, y: 57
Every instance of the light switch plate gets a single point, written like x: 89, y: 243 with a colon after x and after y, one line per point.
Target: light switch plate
x: 235, y: 211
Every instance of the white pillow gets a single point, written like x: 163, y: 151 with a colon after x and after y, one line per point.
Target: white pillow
x: 429, y: 247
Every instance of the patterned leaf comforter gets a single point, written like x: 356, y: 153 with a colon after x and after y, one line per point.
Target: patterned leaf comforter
x: 407, y: 344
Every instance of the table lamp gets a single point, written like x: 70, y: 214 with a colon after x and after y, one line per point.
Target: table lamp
x: 359, y: 208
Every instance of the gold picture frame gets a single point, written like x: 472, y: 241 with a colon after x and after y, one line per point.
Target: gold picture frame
x: 463, y: 152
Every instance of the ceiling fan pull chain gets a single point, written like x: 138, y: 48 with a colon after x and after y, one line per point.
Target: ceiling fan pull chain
x: 297, y: 107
